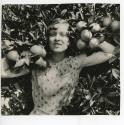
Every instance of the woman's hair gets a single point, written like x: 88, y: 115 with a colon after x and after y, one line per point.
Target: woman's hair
x: 57, y: 21
x: 52, y: 27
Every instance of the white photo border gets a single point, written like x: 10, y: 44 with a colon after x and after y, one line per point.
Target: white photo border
x: 72, y: 120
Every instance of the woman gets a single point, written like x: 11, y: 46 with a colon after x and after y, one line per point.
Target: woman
x: 53, y: 87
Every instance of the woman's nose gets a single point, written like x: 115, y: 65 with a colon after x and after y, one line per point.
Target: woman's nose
x: 57, y: 37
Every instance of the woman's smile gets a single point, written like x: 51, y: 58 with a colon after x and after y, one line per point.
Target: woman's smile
x: 58, y: 39
x: 57, y: 44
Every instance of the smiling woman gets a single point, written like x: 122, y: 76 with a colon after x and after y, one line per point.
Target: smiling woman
x: 53, y: 68
x: 58, y: 39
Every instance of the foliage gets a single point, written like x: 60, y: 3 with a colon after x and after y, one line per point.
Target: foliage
x: 98, y: 91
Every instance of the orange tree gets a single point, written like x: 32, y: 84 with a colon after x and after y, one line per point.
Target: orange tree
x: 24, y: 27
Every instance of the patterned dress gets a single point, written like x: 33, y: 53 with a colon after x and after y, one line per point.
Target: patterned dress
x: 54, y: 87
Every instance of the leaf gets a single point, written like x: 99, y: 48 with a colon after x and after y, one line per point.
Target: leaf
x: 85, y: 108
x: 32, y: 35
x: 7, y: 29
x: 20, y: 63
x: 19, y: 42
x: 77, y: 15
x: 109, y: 112
x: 73, y: 17
x: 27, y: 61
x: 82, y: 16
x: 26, y: 54
x: 116, y: 73
x: 93, y: 80
x: 28, y: 43
x: 6, y: 43
x: 91, y: 102
x: 63, y: 12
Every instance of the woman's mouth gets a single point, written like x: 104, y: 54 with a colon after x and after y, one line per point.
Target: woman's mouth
x: 57, y: 44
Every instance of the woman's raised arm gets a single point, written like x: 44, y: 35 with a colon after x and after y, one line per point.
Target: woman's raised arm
x: 97, y: 57
x: 6, y: 72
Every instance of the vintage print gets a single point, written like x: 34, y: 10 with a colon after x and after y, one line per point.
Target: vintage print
x: 60, y: 59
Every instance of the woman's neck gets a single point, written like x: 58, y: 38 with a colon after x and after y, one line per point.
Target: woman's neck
x: 57, y: 57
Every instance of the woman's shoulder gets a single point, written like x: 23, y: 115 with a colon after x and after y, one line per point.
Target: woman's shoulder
x: 76, y: 61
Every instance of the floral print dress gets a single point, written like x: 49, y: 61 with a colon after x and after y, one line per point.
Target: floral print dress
x: 54, y: 87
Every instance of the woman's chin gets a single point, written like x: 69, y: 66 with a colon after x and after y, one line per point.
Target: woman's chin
x: 58, y: 50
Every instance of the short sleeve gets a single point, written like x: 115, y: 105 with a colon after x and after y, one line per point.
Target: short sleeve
x: 77, y: 62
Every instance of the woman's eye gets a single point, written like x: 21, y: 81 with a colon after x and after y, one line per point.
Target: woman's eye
x: 63, y: 34
x: 52, y: 33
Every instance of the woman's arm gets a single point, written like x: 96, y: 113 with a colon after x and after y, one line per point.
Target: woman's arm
x: 97, y: 57
x: 6, y: 73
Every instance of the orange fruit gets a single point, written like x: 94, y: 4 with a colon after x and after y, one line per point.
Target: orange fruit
x: 86, y: 35
x: 38, y: 50
x: 41, y: 62
x: 115, y: 25
x: 80, y: 25
x: 95, y: 27
x: 13, y: 55
x: 81, y: 44
x: 94, y: 42
x: 107, y: 21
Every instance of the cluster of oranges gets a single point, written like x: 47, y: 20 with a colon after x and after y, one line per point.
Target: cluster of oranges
x: 86, y: 36
x: 87, y: 39
x: 35, y: 50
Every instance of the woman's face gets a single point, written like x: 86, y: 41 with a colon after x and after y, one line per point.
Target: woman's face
x: 58, y: 39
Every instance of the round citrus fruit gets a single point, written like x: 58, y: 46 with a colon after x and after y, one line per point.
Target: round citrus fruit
x: 94, y: 42
x: 13, y: 55
x: 81, y: 44
x: 38, y: 50
x: 95, y: 27
x: 80, y: 25
x: 86, y: 35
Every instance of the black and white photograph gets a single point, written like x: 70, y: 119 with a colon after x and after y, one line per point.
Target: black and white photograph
x: 60, y: 59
